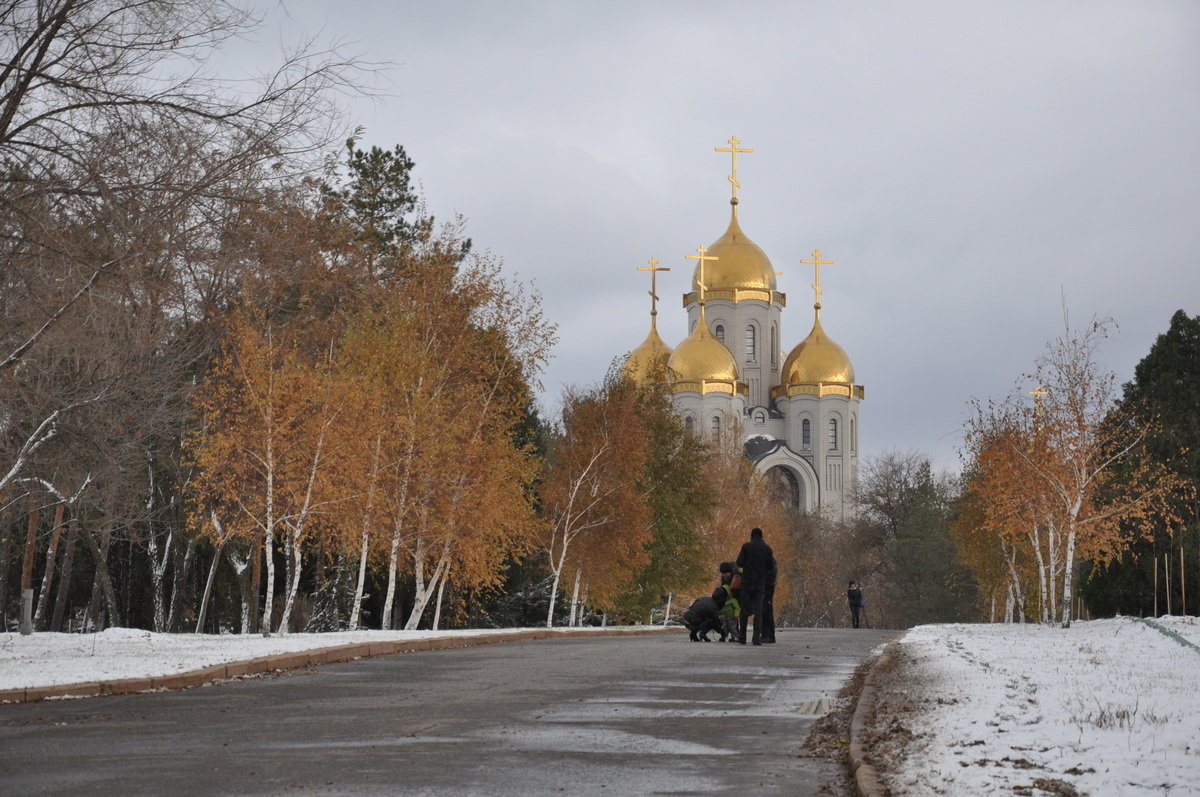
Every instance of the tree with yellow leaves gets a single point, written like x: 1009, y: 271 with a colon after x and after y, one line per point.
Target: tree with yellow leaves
x: 264, y: 451
x: 1045, y: 471
x: 597, y: 518
x: 443, y: 362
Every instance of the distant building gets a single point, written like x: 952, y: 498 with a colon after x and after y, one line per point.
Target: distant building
x: 799, y: 412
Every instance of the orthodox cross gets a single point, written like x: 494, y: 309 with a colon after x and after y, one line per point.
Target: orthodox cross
x: 653, y: 268
x: 733, y: 151
x: 818, y: 262
x: 703, y: 257
x: 1037, y: 405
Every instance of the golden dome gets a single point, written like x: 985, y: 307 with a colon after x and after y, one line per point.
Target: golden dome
x: 817, y: 360
x: 701, y: 358
x: 738, y: 264
x: 647, y: 364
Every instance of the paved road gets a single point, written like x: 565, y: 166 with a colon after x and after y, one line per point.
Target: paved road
x: 606, y: 715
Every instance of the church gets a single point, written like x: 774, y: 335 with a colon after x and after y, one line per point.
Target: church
x: 797, y: 413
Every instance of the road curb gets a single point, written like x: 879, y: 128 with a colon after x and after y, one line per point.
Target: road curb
x: 299, y: 660
x: 866, y: 777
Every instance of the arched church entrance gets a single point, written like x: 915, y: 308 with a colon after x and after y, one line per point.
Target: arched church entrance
x: 785, y: 487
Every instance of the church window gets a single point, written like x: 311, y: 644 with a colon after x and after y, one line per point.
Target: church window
x: 853, y: 436
x: 806, y: 432
x: 719, y: 332
x: 751, y: 344
x: 689, y: 424
x: 716, y: 428
x: 774, y: 346
x: 760, y: 416
x: 833, y: 434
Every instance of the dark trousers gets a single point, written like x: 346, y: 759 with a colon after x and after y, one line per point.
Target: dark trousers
x: 752, y: 604
x: 768, y: 613
x: 700, y: 628
x: 854, y: 611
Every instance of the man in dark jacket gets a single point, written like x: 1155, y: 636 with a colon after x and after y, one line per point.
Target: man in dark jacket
x: 768, y: 607
x: 704, y: 615
x: 757, y: 562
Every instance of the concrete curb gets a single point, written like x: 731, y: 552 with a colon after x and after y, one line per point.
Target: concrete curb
x: 866, y: 777
x: 299, y: 660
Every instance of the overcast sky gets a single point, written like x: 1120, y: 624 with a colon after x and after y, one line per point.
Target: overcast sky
x: 967, y: 165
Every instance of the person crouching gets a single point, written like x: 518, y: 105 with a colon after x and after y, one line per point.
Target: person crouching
x: 704, y: 615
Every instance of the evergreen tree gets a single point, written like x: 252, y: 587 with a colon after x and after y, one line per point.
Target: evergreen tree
x: 380, y: 209
x: 679, y: 497
x: 928, y: 584
x: 1164, y: 396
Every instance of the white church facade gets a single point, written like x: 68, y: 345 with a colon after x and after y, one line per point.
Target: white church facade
x: 798, y: 412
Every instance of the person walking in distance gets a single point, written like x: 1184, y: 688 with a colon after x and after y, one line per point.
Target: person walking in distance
x: 855, y: 596
x: 757, y: 561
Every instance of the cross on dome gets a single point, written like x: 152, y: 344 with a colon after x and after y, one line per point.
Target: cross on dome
x: 733, y: 151
x: 816, y: 286
x: 653, y: 268
x: 703, y: 257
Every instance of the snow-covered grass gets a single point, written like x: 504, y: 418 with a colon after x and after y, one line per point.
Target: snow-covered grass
x: 1106, y: 706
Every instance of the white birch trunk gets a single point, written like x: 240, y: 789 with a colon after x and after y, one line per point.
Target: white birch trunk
x: 39, y: 613
x: 397, y: 530
x: 1069, y: 564
x: 557, y: 569
x: 390, y: 594
x: 296, y: 535
x: 425, y: 590
x: 292, y: 547
x: 269, y: 534
x: 437, y: 607
x: 158, y: 571
x: 574, y: 618
x: 360, y: 584
x: 208, y: 583
x: 1067, y: 580
x: 239, y: 568
x: 1015, y: 591
x: 1052, y: 552
x: 1035, y: 541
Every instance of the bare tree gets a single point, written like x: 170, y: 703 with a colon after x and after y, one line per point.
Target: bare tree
x: 97, y: 92
x: 125, y: 160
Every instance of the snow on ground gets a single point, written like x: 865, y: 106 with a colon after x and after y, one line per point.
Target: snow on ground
x: 1107, y: 706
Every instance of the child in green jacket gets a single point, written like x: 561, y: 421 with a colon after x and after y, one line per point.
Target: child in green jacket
x: 731, y: 582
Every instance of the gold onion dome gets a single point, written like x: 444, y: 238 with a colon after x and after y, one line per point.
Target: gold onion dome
x: 702, y: 358
x: 647, y: 364
x: 817, y: 360
x: 738, y: 263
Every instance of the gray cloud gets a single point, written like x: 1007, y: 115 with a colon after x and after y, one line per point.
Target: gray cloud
x: 968, y: 165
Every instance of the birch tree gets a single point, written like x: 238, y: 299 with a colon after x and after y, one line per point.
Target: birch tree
x: 597, y: 518
x: 262, y: 452
x: 1053, y: 465
x: 125, y: 156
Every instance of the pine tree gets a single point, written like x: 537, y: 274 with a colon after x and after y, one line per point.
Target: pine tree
x: 1165, y: 397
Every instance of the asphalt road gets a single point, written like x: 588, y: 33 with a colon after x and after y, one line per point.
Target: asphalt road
x: 607, y: 715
